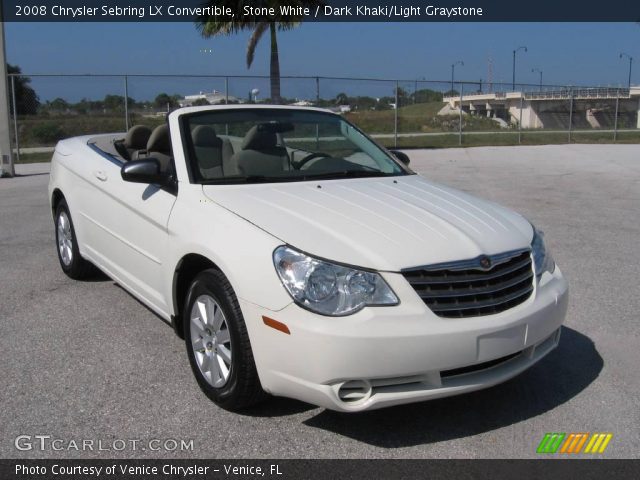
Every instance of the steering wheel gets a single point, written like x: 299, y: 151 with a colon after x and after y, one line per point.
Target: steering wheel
x: 300, y: 163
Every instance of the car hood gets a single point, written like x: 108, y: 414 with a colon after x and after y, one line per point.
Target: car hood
x: 385, y: 223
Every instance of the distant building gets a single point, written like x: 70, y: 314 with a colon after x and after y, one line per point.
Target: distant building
x: 213, y: 98
x: 339, y: 109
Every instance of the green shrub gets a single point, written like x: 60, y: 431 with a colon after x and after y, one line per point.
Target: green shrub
x: 48, y: 132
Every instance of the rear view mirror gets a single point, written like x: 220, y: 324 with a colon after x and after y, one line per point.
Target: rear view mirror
x: 403, y: 157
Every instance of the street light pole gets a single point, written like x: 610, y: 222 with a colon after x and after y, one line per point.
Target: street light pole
x: 453, y: 66
x: 513, y: 84
x: 533, y: 70
x: 630, y: 64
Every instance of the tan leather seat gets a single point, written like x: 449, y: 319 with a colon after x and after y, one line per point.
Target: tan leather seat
x: 208, y: 150
x: 260, y: 154
x: 137, y: 138
x: 159, y: 147
x: 134, y: 143
x: 229, y: 167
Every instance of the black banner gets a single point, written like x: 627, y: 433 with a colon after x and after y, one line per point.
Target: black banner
x: 320, y: 469
x: 321, y: 10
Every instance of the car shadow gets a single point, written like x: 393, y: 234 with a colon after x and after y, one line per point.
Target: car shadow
x: 277, y: 407
x: 95, y: 276
x: 562, y: 375
x: 149, y: 192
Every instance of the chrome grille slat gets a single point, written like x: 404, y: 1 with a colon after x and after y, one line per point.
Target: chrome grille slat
x: 460, y: 292
x: 480, y: 304
x: 456, y: 292
x: 454, y: 276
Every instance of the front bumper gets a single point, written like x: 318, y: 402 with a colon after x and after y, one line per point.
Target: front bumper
x: 384, y: 356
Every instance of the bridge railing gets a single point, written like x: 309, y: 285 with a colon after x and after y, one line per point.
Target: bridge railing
x: 579, y: 93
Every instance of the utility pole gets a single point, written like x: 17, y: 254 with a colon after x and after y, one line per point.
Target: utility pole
x: 513, y: 85
x: 630, y: 64
x: 6, y: 154
x: 453, y: 67
x: 534, y: 70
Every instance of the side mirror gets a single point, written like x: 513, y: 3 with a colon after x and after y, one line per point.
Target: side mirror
x: 403, y: 157
x: 146, y: 170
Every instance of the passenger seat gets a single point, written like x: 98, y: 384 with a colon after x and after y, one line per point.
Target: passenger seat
x: 159, y: 146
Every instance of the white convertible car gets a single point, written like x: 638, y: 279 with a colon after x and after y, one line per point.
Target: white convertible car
x: 298, y: 258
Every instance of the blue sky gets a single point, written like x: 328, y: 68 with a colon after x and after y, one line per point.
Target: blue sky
x: 568, y: 53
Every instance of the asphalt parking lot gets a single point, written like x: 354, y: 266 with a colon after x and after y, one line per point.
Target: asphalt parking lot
x: 85, y: 360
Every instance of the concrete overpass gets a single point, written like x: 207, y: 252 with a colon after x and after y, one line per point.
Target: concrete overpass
x: 582, y: 107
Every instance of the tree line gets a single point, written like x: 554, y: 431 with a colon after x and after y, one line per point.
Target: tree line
x: 28, y: 102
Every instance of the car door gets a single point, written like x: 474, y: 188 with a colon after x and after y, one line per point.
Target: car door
x: 129, y: 224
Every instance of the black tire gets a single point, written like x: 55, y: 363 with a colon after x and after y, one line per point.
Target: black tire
x: 75, y: 267
x: 242, y: 387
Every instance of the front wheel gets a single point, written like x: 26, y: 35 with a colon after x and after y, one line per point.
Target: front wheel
x: 71, y: 262
x: 218, y: 343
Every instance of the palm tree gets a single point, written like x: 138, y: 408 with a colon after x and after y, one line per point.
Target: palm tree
x: 342, y: 99
x: 211, y: 26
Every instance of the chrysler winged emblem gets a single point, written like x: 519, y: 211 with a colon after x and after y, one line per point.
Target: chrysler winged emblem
x: 485, y: 262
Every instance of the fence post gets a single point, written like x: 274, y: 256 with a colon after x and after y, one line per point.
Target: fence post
x: 15, y: 117
x: 126, y: 103
x: 460, y: 119
x: 7, y: 168
x: 570, y: 112
x: 615, y: 119
x: 520, y: 122
x: 395, y: 119
x: 226, y: 102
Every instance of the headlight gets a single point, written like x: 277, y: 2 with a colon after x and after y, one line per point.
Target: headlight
x: 327, y: 288
x: 542, y: 259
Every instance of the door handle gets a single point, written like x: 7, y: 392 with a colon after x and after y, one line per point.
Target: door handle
x: 100, y: 175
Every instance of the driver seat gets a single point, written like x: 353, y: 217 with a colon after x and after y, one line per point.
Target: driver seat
x: 260, y: 153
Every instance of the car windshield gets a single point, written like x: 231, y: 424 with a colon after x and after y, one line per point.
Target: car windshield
x: 280, y: 145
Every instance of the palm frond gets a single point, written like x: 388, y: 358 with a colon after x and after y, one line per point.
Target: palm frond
x: 254, y: 39
x: 211, y: 26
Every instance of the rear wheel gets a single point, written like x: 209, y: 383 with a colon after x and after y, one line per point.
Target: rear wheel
x: 71, y: 262
x: 218, y: 343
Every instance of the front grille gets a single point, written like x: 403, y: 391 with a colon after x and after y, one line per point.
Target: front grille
x: 464, y: 289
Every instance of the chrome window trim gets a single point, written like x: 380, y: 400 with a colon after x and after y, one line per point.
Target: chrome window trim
x: 104, y: 154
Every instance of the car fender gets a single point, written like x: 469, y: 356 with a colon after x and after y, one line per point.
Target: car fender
x: 241, y: 250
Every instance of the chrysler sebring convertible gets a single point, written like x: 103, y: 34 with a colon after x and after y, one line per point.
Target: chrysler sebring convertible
x: 298, y: 258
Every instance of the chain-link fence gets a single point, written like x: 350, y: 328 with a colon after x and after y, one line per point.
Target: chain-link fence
x: 397, y: 113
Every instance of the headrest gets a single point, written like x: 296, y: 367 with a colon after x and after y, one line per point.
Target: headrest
x: 259, y: 138
x: 137, y: 137
x: 205, y: 136
x: 159, y: 141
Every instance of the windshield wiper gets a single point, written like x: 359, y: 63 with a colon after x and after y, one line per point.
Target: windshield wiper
x: 349, y: 174
x: 299, y: 178
x: 239, y: 179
